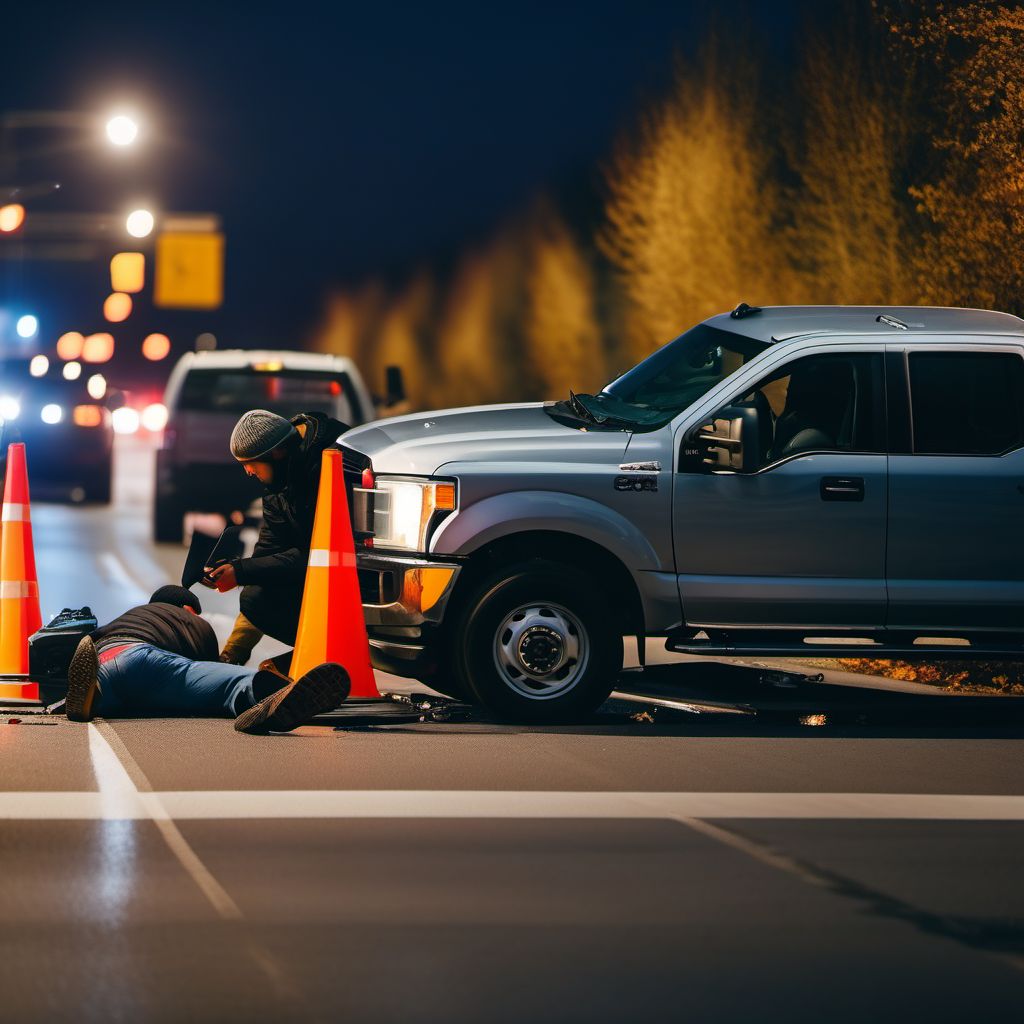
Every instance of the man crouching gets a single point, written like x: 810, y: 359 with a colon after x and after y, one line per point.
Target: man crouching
x: 161, y: 659
x: 285, y: 456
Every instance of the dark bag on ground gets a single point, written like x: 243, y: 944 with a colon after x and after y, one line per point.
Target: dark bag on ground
x: 50, y: 649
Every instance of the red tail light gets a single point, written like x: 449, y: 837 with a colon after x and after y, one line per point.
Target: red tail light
x: 368, y: 480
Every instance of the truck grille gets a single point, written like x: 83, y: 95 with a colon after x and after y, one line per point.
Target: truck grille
x: 353, y: 463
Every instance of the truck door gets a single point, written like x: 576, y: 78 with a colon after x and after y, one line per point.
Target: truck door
x: 796, y: 536
x: 956, y: 515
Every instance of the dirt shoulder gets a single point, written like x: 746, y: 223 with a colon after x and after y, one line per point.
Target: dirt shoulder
x: 1004, y: 678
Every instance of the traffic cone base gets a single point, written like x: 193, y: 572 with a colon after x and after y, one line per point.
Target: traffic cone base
x: 331, y: 624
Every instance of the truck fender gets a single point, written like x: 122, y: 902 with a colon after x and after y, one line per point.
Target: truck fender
x: 503, y: 515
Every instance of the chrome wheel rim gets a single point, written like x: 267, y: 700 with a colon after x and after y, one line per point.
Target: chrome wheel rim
x: 541, y: 650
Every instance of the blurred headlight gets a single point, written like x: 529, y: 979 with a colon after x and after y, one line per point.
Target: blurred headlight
x: 404, y: 509
x: 10, y: 408
x: 51, y: 413
x: 125, y: 420
x: 87, y: 416
x: 154, y: 417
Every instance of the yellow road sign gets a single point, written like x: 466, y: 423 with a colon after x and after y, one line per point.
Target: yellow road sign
x: 189, y: 270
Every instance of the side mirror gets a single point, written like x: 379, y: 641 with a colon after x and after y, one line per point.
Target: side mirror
x: 394, y: 385
x: 729, y: 441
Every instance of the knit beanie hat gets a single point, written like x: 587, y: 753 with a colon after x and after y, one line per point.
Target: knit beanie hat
x: 257, y: 433
x: 178, y: 596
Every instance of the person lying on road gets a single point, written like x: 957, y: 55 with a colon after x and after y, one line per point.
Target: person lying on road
x: 285, y: 457
x: 161, y: 659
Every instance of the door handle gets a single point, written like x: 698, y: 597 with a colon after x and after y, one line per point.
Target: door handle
x: 842, y: 488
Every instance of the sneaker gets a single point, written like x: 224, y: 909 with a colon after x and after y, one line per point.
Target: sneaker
x: 83, y: 681
x: 320, y: 689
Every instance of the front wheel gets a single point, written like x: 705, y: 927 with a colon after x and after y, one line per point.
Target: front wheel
x: 540, y: 643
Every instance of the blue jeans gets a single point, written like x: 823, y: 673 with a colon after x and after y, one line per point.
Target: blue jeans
x: 145, y: 680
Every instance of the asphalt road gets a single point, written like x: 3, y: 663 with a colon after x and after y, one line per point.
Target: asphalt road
x: 711, y: 867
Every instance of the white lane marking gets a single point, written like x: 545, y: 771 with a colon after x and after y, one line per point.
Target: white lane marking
x: 283, y: 804
x: 116, y: 574
x: 118, y: 795
x: 120, y: 798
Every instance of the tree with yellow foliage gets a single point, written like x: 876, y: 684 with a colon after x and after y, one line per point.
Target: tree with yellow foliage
x: 850, y: 239
x: 400, y: 341
x: 970, y: 58
x: 560, y: 333
x: 691, y: 206
x: 348, y: 320
x: 470, y: 367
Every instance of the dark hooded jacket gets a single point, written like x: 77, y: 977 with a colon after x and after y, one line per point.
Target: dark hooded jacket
x: 282, y: 551
x: 166, y: 626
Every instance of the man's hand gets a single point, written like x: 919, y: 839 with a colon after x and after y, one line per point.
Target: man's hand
x: 221, y: 578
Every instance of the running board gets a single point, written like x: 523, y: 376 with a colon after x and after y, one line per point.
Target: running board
x: 736, y: 647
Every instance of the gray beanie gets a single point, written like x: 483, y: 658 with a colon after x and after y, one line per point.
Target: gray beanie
x: 257, y: 432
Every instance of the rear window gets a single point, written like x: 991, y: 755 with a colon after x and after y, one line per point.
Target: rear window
x: 967, y: 403
x: 286, y: 392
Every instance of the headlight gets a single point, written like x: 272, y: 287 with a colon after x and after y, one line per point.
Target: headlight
x: 403, y: 510
x: 10, y: 408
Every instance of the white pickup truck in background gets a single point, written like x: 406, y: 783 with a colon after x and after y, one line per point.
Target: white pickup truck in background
x: 207, y: 392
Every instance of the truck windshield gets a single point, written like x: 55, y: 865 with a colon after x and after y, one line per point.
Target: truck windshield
x: 669, y: 380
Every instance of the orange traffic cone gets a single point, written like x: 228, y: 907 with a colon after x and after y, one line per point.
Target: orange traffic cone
x: 19, y: 590
x: 331, y: 625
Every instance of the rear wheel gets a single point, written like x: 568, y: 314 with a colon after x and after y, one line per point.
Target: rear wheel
x: 540, y: 643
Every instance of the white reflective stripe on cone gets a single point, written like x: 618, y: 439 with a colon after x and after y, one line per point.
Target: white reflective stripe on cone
x: 14, y: 513
x: 17, y: 588
x: 324, y: 558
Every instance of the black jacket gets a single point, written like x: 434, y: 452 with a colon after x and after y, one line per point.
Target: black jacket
x: 165, y: 626
x: 282, y: 551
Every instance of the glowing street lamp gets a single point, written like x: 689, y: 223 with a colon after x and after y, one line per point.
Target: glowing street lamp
x: 139, y: 223
x: 27, y: 326
x: 96, y: 385
x: 122, y: 130
x: 117, y: 307
x: 127, y: 272
x: 12, y: 216
x: 156, y: 346
x: 69, y: 345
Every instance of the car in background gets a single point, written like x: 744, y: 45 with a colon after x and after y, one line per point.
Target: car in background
x: 205, y: 395
x: 67, y: 434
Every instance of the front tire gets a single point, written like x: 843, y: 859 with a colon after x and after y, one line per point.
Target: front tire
x: 540, y: 643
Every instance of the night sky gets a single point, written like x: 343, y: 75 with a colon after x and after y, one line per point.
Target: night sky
x: 336, y: 141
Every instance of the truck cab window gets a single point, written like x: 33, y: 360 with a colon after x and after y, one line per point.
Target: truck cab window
x: 967, y: 403
x: 822, y: 403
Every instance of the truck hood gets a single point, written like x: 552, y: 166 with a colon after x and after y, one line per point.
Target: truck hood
x: 424, y: 443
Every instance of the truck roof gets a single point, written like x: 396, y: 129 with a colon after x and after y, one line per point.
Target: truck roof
x: 232, y: 358
x: 775, y: 324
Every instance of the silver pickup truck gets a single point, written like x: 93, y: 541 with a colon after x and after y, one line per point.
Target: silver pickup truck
x: 787, y: 481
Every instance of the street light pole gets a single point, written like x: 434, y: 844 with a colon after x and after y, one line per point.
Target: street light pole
x: 120, y: 129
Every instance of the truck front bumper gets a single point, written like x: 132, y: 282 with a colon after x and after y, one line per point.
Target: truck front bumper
x: 404, y: 601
